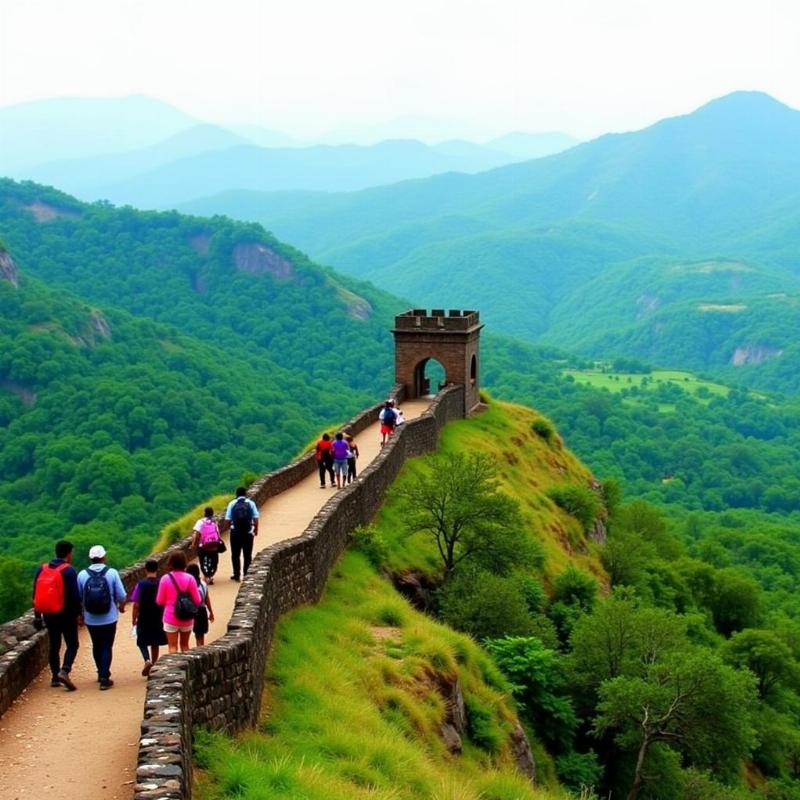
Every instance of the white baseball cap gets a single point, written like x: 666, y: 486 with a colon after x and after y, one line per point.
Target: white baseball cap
x: 98, y: 551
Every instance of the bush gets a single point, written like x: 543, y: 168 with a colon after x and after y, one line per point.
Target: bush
x: 575, y: 588
x: 483, y: 726
x: 579, y: 771
x: 484, y: 605
x: 544, y: 429
x: 579, y: 501
x: 368, y: 541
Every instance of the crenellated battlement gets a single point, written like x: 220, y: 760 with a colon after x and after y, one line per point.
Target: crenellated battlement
x: 437, y: 320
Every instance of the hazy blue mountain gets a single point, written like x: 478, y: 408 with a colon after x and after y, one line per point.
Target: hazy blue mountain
x: 75, y: 127
x: 265, y: 137
x: 87, y: 177
x: 322, y: 168
x: 524, y: 146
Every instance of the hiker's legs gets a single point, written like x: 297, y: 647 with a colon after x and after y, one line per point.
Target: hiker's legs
x: 154, y: 649
x: 172, y: 641
x: 69, y: 629
x: 184, y: 637
x: 321, y: 467
x: 351, y: 470
x: 236, y: 551
x: 145, y: 651
x: 200, y: 639
x: 102, y: 647
x: 208, y: 563
x: 53, y: 625
x: 247, y: 550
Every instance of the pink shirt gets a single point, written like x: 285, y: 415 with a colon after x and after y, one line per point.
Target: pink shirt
x: 168, y: 594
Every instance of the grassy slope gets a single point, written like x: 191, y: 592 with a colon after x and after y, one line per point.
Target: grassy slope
x: 352, y: 705
x: 528, y: 467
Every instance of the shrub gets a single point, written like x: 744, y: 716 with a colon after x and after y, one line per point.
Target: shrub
x: 579, y: 771
x: 544, y: 429
x: 368, y: 541
x: 579, y: 501
x: 483, y: 726
x: 484, y: 605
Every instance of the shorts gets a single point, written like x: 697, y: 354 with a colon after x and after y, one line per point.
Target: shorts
x: 387, y: 429
x: 340, y: 467
x: 187, y: 628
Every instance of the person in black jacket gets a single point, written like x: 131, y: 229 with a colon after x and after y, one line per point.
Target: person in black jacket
x: 63, y: 624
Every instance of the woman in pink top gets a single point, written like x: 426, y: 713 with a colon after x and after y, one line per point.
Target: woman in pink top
x: 174, y: 581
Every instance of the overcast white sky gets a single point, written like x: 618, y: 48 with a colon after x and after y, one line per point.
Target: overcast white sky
x: 447, y: 67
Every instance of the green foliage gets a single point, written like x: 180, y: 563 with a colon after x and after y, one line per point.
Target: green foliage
x: 458, y: 504
x: 369, y: 541
x: 544, y: 429
x: 484, y: 604
x: 768, y: 657
x: 580, y: 501
x: 689, y: 701
x: 735, y: 601
x: 539, y: 684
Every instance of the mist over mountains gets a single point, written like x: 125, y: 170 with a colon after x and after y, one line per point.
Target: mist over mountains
x: 144, y: 152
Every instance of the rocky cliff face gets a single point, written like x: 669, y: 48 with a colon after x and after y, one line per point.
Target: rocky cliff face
x: 754, y: 354
x: 8, y: 269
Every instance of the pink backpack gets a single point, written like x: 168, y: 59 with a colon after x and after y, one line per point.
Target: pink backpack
x: 209, y: 535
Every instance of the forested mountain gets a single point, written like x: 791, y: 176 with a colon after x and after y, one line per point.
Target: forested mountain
x: 148, y: 360
x: 715, y: 186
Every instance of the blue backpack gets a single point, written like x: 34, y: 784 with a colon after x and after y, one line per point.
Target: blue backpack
x: 96, y: 593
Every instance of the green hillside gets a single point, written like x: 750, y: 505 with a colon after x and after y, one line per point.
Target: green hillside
x: 693, y: 627
x: 149, y: 360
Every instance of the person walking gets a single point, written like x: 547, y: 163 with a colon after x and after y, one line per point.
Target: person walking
x: 208, y: 543
x: 103, y: 597
x: 387, y: 418
x: 205, y: 613
x: 324, y: 459
x: 57, y: 606
x: 148, y: 616
x: 241, y: 516
x: 351, y: 459
x: 341, y: 452
x: 177, y: 594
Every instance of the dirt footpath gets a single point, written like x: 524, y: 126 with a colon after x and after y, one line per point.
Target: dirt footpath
x: 80, y: 743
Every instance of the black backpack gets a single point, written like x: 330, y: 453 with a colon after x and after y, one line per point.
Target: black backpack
x: 241, y: 516
x: 185, y: 607
x: 96, y: 593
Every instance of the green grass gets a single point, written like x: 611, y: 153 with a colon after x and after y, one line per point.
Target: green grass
x: 528, y: 467
x: 352, y: 709
x: 617, y: 381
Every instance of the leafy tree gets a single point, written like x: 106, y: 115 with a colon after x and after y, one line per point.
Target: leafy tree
x: 689, y: 701
x: 766, y: 656
x: 459, y: 505
x: 736, y: 601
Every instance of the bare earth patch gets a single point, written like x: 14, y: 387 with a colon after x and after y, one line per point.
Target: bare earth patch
x: 258, y: 259
x: 44, y: 212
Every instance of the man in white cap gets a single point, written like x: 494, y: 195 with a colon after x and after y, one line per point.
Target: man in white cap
x: 103, y: 597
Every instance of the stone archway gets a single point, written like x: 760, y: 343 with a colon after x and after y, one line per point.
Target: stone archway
x: 452, y: 339
x: 424, y: 382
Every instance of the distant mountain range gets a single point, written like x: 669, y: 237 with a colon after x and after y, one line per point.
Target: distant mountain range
x: 144, y: 152
x: 552, y: 249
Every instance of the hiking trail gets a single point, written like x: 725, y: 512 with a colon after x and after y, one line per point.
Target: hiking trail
x: 86, y: 742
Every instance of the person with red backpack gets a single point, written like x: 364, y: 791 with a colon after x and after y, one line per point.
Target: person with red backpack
x: 57, y: 601
x: 208, y: 543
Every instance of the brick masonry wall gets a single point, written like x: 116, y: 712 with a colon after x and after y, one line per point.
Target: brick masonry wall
x: 220, y: 686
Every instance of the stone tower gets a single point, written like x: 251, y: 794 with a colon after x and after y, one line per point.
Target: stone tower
x: 453, y: 339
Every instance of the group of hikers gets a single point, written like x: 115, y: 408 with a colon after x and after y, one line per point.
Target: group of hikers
x: 166, y: 610
x: 336, y: 457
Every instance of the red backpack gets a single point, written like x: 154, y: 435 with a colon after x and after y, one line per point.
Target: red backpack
x: 48, y: 596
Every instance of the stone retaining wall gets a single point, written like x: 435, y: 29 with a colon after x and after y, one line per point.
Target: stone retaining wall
x: 220, y: 686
